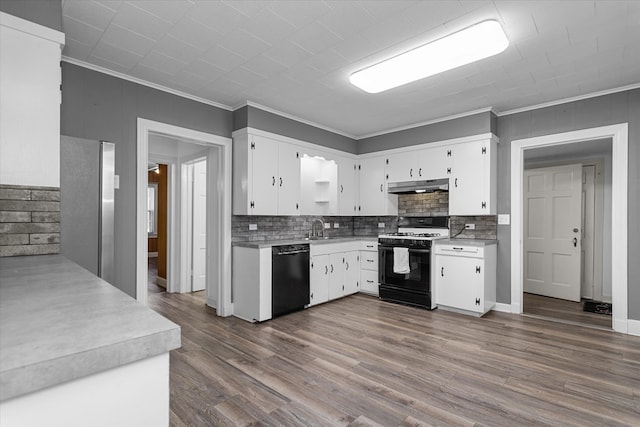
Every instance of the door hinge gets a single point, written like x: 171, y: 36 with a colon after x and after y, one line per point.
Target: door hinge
x: 448, y: 153
x: 477, y: 301
x: 311, y: 295
x: 252, y: 205
x: 484, y: 150
x: 484, y: 205
x: 253, y: 145
x: 296, y: 206
x: 354, y: 166
x: 312, y: 265
x: 477, y: 269
x: 387, y: 161
x: 359, y: 167
x: 449, y: 171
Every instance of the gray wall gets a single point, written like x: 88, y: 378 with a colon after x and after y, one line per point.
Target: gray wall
x: 43, y: 12
x: 601, y: 111
x: 455, y: 128
x: 98, y: 106
x: 264, y: 120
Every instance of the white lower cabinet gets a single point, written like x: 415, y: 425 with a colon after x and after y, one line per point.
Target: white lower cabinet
x: 251, y: 281
x: 319, y: 280
x: 369, y: 268
x: 465, y: 277
x: 335, y: 271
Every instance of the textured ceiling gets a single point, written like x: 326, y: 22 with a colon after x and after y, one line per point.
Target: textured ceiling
x: 295, y: 56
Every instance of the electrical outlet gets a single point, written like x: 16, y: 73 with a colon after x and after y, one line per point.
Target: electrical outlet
x: 253, y: 227
x: 381, y: 225
x: 336, y: 225
x: 469, y: 226
x: 327, y: 225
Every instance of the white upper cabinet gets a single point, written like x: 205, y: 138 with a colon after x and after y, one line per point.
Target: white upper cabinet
x: 347, y: 186
x: 434, y: 163
x: 319, y: 180
x: 266, y: 174
x: 374, y: 199
x: 288, y: 179
x: 401, y: 167
x: 473, y: 182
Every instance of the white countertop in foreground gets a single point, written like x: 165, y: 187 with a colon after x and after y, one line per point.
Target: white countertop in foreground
x: 59, y: 322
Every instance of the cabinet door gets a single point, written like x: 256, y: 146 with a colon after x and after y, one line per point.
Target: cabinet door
x: 470, y: 181
x: 374, y: 199
x: 288, y: 179
x: 319, y: 280
x: 401, y: 167
x: 434, y: 163
x: 347, y: 186
x: 458, y: 282
x: 337, y: 264
x: 351, y: 273
x: 263, y: 193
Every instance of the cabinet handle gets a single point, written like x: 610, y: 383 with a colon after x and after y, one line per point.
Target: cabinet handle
x: 420, y: 172
x: 332, y: 268
x: 274, y: 180
x: 326, y: 270
x: 280, y: 181
x: 369, y: 260
x: 442, y: 271
x: 369, y: 281
x: 411, y: 172
x: 343, y: 287
x: 370, y: 246
x: 455, y: 183
x: 381, y: 188
x: 311, y: 295
x: 341, y: 188
x: 312, y: 265
x: 347, y: 265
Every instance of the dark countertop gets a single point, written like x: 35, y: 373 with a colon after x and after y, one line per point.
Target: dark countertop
x: 59, y: 322
x: 269, y: 243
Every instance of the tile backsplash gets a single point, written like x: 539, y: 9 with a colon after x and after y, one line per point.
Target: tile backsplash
x: 298, y: 227
x: 425, y: 204
x: 29, y: 220
x: 486, y: 227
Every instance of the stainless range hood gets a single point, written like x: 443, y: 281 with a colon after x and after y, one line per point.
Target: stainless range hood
x: 412, y: 187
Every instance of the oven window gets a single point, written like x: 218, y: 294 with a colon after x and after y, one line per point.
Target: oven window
x: 417, y: 279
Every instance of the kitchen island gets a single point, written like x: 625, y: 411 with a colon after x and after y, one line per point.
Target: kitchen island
x: 75, y: 350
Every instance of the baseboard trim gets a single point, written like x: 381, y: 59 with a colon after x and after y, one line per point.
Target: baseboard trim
x: 161, y: 281
x: 502, y: 307
x: 633, y: 327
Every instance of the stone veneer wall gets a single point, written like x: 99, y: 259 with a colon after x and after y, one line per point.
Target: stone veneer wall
x: 425, y: 204
x: 29, y: 220
x: 486, y: 227
x: 298, y: 227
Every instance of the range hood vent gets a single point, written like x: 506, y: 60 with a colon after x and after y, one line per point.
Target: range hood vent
x: 412, y: 187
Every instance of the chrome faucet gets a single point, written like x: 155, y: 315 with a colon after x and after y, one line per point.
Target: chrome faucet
x: 314, y: 232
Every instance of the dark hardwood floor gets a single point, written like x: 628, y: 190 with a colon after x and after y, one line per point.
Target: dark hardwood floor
x: 362, y: 362
x: 562, y: 310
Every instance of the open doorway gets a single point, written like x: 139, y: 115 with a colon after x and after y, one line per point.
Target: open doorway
x: 567, y: 245
x: 157, y: 196
x: 618, y: 276
x: 193, y: 146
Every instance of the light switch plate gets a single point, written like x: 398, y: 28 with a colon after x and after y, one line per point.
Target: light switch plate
x: 253, y: 227
x: 116, y: 182
x: 336, y: 225
x: 469, y: 226
x: 504, y: 219
x: 327, y: 225
x: 381, y: 225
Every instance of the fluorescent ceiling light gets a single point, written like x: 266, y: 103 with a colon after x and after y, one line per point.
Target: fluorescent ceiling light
x: 471, y: 44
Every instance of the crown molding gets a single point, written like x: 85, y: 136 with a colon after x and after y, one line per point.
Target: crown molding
x: 293, y: 117
x: 429, y: 122
x: 567, y: 100
x: 143, y: 82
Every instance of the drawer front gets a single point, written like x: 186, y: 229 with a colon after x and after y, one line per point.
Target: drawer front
x: 369, y: 260
x: 369, y: 282
x: 368, y: 246
x: 468, y: 251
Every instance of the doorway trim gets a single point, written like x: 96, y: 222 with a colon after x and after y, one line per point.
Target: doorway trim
x: 619, y: 213
x: 221, y: 274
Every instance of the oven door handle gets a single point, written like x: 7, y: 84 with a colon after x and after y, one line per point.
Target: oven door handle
x: 419, y: 251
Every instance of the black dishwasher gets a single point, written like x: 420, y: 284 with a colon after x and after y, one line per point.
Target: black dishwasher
x: 289, y: 278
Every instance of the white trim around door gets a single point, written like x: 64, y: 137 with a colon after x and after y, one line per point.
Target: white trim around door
x: 219, y: 239
x: 619, y: 213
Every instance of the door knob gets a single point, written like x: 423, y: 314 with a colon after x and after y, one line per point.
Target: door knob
x: 575, y: 230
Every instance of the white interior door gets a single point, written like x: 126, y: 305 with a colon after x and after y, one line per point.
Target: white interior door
x: 588, y: 228
x: 552, y: 239
x: 198, y: 281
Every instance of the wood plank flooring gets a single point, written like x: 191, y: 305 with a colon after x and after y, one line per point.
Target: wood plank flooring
x: 359, y: 361
x: 562, y: 310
